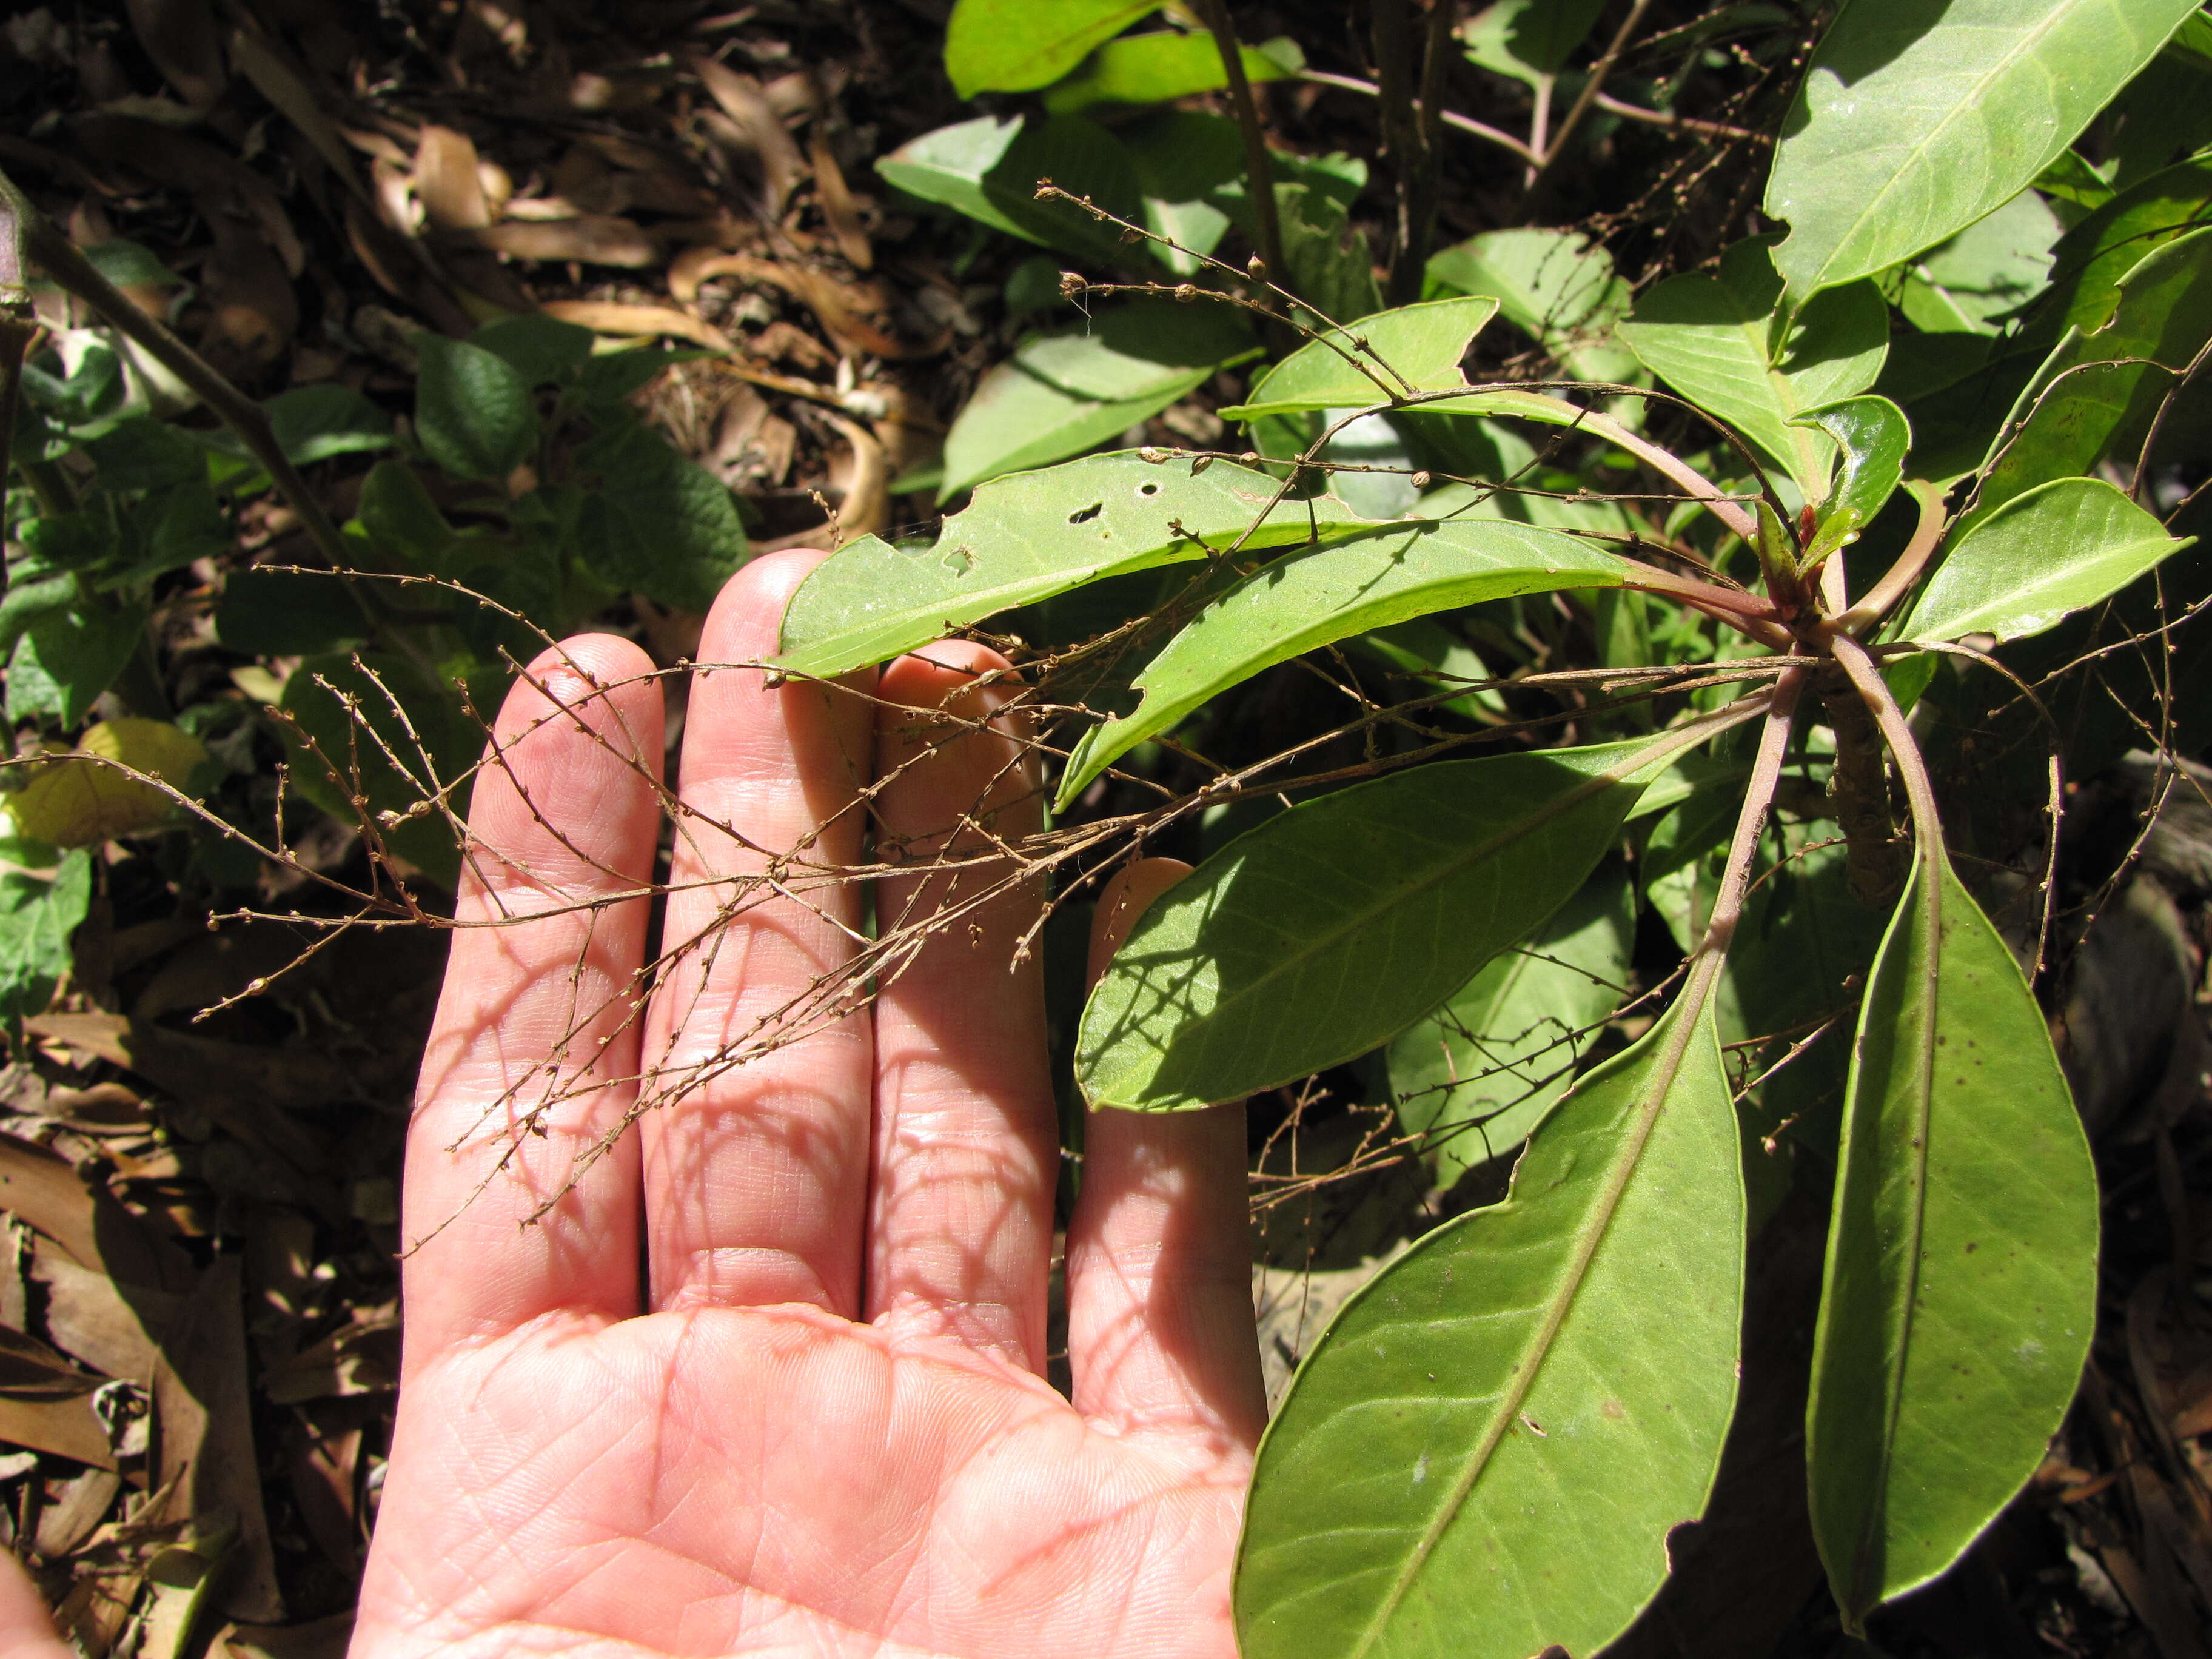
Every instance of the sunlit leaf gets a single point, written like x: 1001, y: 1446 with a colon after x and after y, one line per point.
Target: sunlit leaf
x: 1031, y: 535
x: 1315, y: 597
x: 988, y: 169
x: 1711, y: 338
x: 1013, y: 45
x: 2042, y: 555
x: 1914, y: 121
x: 1995, y: 265
x: 1555, y: 286
x: 2091, y: 258
x: 1413, y: 349
x: 1874, y: 436
x: 1961, y: 1279
x: 1164, y: 64
x: 79, y: 801
x: 1474, y: 1078
x: 1335, y: 925
x: 1484, y: 1454
x: 38, y: 914
x: 1527, y: 40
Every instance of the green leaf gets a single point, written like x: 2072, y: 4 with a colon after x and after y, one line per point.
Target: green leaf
x: 1031, y: 536
x: 1875, y: 438
x: 1016, y: 45
x: 1555, y: 286
x: 2095, y: 396
x: 658, y: 523
x: 313, y: 423
x: 2070, y: 179
x: 1332, y: 266
x: 1167, y: 63
x: 37, y: 916
x: 2092, y: 260
x: 144, y: 453
x: 1334, y: 926
x: 1914, y: 122
x: 1189, y: 166
x: 1386, y: 357
x: 541, y: 349
x: 1317, y: 596
x: 1991, y: 269
x: 610, y: 378
x: 2043, y: 555
x: 1527, y: 40
x: 64, y: 661
x: 1086, y: 383
x: 988, y: 169
x: 1485, y: 1453
x: 1476, y: 1077
x: 473, y: 412
x: 31, y: 600
x: 1711, y: 338
x: 1961, y: 1290
x: 284, y: 613
x: 401, y: 518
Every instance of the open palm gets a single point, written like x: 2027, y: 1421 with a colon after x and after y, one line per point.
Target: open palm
x: 768, y: 1376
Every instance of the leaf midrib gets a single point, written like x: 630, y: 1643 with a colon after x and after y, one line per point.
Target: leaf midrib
x: 1538, y: 1350
x: 1971, y: 101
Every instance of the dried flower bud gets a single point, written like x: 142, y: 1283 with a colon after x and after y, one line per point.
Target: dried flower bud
x: 1071, y: 284
x: 1186, y: 292
x: 1199, y: 465
x: 1256, y: 269
x: 1155, y: 457
x: 1420, y: 481
x: 1250, y: 456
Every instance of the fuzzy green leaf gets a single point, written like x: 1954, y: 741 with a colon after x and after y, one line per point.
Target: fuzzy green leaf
x: 1031, y: 536
x: 1334, y: 926
x: 1960, y: 1289
x: 1483, y: 1456
x: 2041, y: 556
x: 1914, y: 121
x: 473, y: 412
x: 1313, y: 598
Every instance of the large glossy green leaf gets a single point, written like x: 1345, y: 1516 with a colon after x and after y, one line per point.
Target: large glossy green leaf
x: 1710, y: 337
x: 1961, y: 1279
x: 1874, y: 437
x: 1483, y: 1453
x: 1014, y: 46
x: 1029, y: 535
x: 1477, y: 1076
x: 1555, y: 286
x: 1994, y: 266
x: 988, y: 169
x: 1086, y: 384
x: 1323, y: 594
x: 1915, y: 120
x: 2042, y: 555
x: 1335, y: 925
x: 2094, y: 398
x: 1164, y: 64
x: 1413, y: 349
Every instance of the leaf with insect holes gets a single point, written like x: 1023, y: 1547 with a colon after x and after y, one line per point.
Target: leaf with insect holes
x: 2041, y: 556
x: 1961, y: 1280
x: 1323, y: 594
x: 1913, y: 121
x: 1874, y: 437
x: 1332, y: 926
x: 1032, y: 535
x: 1389, y: 355
x: 1484, y: 1454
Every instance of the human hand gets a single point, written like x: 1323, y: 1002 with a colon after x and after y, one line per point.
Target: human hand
x: 768, y: 1375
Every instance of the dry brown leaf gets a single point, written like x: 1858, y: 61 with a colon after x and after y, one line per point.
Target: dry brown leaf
x: 252, y: 311
x: 221, y: 186
x: 45, y: 1193
x: 595, y: 239
x: 180, y: 36
x: 447, y: 182
x: 75, y: 1508
x: 67, y: 1427
x: 200, y: 1400
x: 860, y: 477
x: 323, y: 1639
x: 377, y: 146
x: 752, y: 131
x: 633, y: 322
x: 839, y: 207
x: 307, y: 108
x: 363, y: 1357
x: 322, y: 1479
x: 821, y: 293
x: 117, y: 1328
x: 29, y: 1369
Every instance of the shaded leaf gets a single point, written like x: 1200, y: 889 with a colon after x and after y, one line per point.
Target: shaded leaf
x: 658, y: 523
x: 1485, y: 1453
x: 473, y: 412
x: 144, y: 453
x: 1988, y: 270
x: 1029, y: 535
x: 988, y: 169
x: 2043, y: 555
x: 2093, y: 259
x: 1555, y: 286
x: 1015, y: 45
x: 1390, y: 354
x: 1960, y: 1288
x: 1315, y: 597
x: 1188, y: 167
x: 1477, y: 1076
x: 1710, y: 337
x: 401, y: 518
x: 1529, y: 39
x: 64, y: 660
x: 1332, y: 265
x: 543, y: 350
x: 287, y: 613
x: 1335, y: 925
x: 313, y: 423
x: 1913, y: 122
x: 38, y: 914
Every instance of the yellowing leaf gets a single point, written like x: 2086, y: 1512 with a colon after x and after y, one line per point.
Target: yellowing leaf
x: 82, y: 799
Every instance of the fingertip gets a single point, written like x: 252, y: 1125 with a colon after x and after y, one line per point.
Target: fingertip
x: 1128, y: 893
x: 935, y: 675
x: 743, y: 622
x: 584, y: 675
